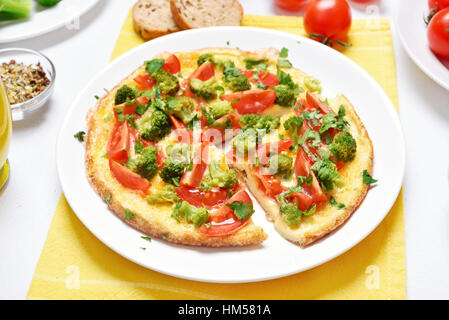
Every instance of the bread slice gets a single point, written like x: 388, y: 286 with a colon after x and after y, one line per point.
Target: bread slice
x: 153, y: 18
x: 190, y: 14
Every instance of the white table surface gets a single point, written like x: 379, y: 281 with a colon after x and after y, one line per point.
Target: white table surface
x: 28, y: 204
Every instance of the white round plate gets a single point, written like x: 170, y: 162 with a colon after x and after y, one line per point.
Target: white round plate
x: 276, y: 257
x: 42, y: 20
x: 413, y: 34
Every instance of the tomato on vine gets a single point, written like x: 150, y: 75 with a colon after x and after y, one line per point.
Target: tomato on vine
x: 328, y: 21
x: 438, y: 33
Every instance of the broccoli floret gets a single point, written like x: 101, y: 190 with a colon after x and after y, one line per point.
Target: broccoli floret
x: 14, y: 9
x: 197, y: 216
x: 181, y: 107
x: 313, y: 85
x: 326, y: 173
x: 145, y: 163
x: 204, y: 89
x: 293, y: 124
x: 291, y: 214
x: 344, y: 147
x: 226, y: 179
x: 124, y: 94
x: 220, y: 109
x: 166, y: 195
x: 280, y: 164
x: 207, y: 57
x: 257, y: 122
x: 285, y: 96
x: 154, y: 124
x: 245, y: 141
x: 239, y: 83
x: 172, y: 171
x: 167, y: 82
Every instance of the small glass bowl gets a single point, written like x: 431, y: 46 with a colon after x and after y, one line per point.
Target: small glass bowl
x: 27, y: 56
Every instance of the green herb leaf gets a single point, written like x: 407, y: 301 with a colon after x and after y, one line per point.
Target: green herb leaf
x: 128, y: 214
x: 242, y: 210
x: 283, y: 53
x: 108, y: 198
x: 154, y: 65
x: 367, y: 178
x: 334, y: 203
x: 146, y: 238
x: 80, y: 136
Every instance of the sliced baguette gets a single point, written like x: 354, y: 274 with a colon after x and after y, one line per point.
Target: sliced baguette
x: 153, y: 18
x: 190, y: 14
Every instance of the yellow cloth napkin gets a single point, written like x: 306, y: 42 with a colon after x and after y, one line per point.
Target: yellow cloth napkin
x: 75, y: 265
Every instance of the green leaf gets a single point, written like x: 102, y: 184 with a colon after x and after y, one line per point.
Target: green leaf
x: 284, y: 53
x: 242, y: 210
x: 80, y: 136
x: 284, y: 63
x: 334, y: 203
x: 108, y: 198
x: 367, y: 178
x: 154, y: 65
x: 146, y: 238
x: 128, y: 214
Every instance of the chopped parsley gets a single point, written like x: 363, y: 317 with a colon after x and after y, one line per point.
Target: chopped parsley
x: 154, y: 65
x: 108, y: 198
x: 334, y: 203
x: 242, y: 210
x: 146, y: 238
x: 367, y: 178
x: 128, y: 214
x: 80, y: 136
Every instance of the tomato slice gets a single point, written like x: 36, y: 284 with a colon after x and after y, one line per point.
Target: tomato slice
x: 204, y: 72
x: 118, y: 145
x: 127, y: 178
x: 270, y: 184
x: 172, y: 64
x: 143, y: 100
x: 267, y: 79
x: 303, y: 166
x: 194, y: 177
x: 251, y: 101
x: 266, y: 149
x: 304, y: 201
x: 224, y: 222
x: 200, y: 198
x: 145, y: 81
x: 223, y: 230
x: 315, y: 103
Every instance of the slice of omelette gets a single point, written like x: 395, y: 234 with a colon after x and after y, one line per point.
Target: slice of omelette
x: 308, y: 174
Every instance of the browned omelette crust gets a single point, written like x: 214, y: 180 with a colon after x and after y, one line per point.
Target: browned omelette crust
x: 327, y: 218
x: 153, y: 220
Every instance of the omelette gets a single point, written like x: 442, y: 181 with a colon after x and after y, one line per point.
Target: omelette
x: 155, y: 149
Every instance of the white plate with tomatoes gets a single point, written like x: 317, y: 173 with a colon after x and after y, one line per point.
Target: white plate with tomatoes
x: 426, y: 44
x: 276, y: 257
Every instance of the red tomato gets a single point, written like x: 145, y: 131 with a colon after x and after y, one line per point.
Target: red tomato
x: 267, y: 79
x: 304, y: 201
x: 266, y: 149
x: 438, y: 5
x: 194, y: 177
x: 118, y: 145
x: 330, y: 19
x: 143, y: 100
x: 313, y: 102
x: 145, y: 81
x: 199, y: 198
x: 270, y: 184
x: 290, y: 5
x: 223, y: 230
x: 251, y: 101
x: 127, y: 178
x: 303, y: 168
x: 224, y: 222
x: 172, y: 64
x: 438, y: 33
x: 204, y: 72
